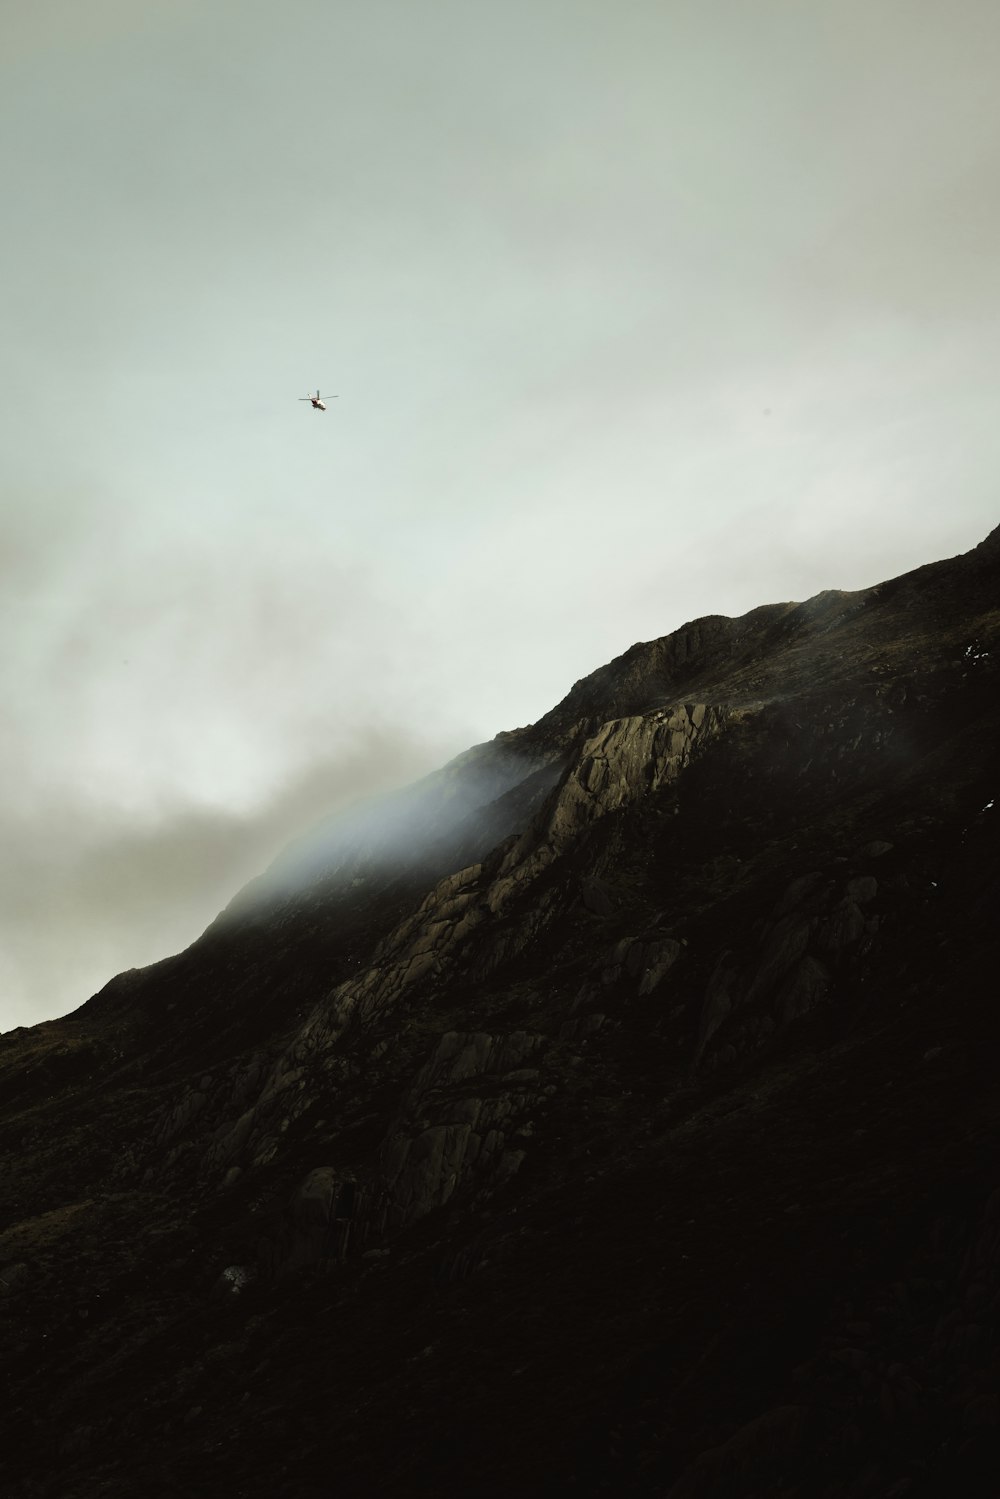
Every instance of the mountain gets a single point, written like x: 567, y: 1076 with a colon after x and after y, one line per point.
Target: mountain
x: 612, y: 1112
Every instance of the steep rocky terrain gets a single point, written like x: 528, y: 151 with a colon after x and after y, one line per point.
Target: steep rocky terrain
x: 616, y: 1110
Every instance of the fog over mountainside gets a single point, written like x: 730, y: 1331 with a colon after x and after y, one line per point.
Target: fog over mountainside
x: 612, y: 1111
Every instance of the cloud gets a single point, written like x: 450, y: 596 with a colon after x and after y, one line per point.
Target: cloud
x: 86, y: 893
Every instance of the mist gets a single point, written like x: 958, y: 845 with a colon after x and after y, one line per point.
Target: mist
x: 87, y: 891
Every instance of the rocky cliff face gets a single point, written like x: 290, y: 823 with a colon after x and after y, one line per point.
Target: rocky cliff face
x: 614, y: 1109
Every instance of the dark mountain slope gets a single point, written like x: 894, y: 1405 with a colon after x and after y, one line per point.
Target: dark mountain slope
x: 614, y: 1110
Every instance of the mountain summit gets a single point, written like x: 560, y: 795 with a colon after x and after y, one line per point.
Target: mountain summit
x: 614, y: 1111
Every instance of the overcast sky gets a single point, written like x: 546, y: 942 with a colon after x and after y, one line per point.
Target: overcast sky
x: 636, y: 311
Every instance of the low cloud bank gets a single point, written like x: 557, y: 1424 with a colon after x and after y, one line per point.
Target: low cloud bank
x: 85, y: 893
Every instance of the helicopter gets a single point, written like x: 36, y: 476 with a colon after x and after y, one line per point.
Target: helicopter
x: 317, y: 403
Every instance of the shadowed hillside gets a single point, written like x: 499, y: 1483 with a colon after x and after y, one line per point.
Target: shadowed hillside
x: 613, y: 1111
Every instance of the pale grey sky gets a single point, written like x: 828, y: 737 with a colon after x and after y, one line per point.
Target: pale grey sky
x: 636, y: 312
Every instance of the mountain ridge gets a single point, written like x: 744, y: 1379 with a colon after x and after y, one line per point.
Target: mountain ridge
x: 568, y: 985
